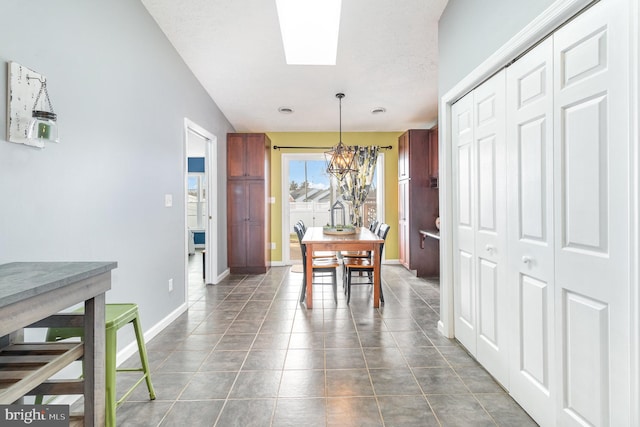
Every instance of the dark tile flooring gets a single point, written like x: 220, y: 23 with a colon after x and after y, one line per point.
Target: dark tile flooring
x: 248, y: 354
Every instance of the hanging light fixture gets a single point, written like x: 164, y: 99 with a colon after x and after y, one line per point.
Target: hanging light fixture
x: 340, y: 158
x: 43, y: 125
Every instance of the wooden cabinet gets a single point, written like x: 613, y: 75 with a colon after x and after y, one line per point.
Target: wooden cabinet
x: 247, y: 195
x: 433, y: 157
x: 417, y: 201
x: 246, y: 155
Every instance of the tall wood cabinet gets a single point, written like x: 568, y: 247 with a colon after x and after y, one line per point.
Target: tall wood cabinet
x: 418, y: 201
x: 247, y: 202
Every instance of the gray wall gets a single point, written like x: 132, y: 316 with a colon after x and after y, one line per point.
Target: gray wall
x: 121, y: 93
x: 469, y: 31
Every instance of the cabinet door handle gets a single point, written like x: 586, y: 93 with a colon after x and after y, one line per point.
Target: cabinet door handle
x: 490, y: 248
x: 526, y: 259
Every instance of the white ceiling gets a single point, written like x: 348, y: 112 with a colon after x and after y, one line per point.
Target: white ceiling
x: 387, y: 57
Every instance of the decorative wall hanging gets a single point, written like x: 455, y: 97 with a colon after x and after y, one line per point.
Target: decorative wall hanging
x: 30, y: 116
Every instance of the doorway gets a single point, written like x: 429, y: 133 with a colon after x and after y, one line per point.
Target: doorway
x: 308, y: 194
x: 201, y: 183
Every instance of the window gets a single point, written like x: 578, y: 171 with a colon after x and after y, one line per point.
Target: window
x: 197, y: 201
x: 310, y: 192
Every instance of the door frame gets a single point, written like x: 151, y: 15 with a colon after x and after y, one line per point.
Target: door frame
x: 286, y: 220
x: 287, y: 227
x: 211, y: 225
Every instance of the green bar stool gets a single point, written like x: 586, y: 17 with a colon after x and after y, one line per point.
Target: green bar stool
x: 116, y: 316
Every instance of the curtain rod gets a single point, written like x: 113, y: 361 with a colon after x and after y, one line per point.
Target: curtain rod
x: 278, y: 147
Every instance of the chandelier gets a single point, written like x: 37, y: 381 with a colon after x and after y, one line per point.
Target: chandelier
x: 340, y: 158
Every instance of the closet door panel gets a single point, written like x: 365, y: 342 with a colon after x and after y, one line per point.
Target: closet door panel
x: 465, y: 184
x: 467, y: 311
x: 490, y: 236
x: 585, y: 178
x: 464, y: 227
x: 487, y: 183
x: 592, y: 210
x: 488, y: 299
x: 534, y: 344
x: 530, y: 230
x: 532, y: 146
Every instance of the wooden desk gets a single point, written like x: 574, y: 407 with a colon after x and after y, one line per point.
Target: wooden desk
x: 32, y: 291
x: 362, y: 240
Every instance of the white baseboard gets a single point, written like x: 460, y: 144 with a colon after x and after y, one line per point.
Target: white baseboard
x: 278, y: 264
x: 221, y: 276
x: 443, y: 330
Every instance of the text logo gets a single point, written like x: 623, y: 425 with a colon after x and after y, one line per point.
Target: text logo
x: 34, y: 415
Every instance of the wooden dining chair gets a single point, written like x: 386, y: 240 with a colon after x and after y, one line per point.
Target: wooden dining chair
x: 316, y: 254
x: 374, y: 226
x: 362, y: 264
x: 322, y: 267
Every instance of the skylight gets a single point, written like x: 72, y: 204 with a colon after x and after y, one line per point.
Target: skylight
x: 309, y: 30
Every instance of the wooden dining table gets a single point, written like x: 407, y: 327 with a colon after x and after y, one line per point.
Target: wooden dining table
x: 363, y: 239
x: 32, y: 294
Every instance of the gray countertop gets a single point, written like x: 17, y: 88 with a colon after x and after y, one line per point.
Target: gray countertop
x: 23, y: 280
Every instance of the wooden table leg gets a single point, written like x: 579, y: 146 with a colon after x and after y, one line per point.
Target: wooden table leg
x: 309, y: 276
x: 94, y: 373
x: 377, y: 283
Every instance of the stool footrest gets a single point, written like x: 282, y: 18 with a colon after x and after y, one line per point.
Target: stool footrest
x: 130, y: 370
x: 152, y: 395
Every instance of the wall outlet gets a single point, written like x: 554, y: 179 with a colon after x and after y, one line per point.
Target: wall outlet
x: 272, y: 245
x: 170, y: 285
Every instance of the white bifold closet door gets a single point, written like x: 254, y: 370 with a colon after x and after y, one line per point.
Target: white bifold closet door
x: 592, y: 216
x: 530, y: 231
x: 480, y: 226
x: 541, y: 161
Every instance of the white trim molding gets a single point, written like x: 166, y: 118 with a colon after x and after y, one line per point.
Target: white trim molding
x: 634, y: 202
x: 211, y: 227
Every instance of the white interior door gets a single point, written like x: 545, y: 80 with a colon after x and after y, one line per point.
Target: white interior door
x: 481, y: 301
x: 530, y: 231
x: 198, y: 142
x: 591, y: 133
x: 490, y: 237
x: 463, y: 153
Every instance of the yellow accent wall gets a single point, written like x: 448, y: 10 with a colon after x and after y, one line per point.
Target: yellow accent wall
x: 329, y: 139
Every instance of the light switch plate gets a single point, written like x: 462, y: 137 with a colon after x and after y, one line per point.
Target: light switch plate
x: 168, y: 200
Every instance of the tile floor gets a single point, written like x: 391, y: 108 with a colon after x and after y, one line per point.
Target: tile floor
x: 248, y: 354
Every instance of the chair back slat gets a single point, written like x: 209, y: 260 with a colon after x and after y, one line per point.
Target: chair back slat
x: 383, y: 230
x: 300, y: 233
